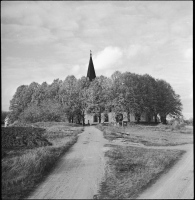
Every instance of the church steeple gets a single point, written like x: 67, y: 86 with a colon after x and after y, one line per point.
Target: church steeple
x: 91, y: 70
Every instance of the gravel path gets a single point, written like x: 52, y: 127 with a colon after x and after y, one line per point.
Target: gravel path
x: 79, y: 172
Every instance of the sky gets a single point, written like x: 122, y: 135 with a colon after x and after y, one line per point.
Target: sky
x: 45, y: 40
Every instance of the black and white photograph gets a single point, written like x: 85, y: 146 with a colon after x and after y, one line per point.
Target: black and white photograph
x: 97, y: 100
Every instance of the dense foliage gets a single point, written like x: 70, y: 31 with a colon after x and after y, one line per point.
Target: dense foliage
x: 69, y: 99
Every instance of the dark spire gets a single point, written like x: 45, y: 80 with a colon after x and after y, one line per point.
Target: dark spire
x: 91, y: 70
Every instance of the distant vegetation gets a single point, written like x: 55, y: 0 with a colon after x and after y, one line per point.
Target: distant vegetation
x: 189, y: 121
x: 69, y: 99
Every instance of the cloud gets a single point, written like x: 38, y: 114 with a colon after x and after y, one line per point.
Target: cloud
x: 79, y: 70
x: 27, y: 34
x: 108, y: 58
x: 136, y: 50
x: 37, y: 22
x: 49, y: 15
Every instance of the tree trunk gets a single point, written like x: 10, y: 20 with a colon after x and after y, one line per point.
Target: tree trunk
x: 100, y: 118
x: 83, y: 119
x: 138, y: 118
x: 149, y: 118
x: 163, y: 119
x: 128, y: 116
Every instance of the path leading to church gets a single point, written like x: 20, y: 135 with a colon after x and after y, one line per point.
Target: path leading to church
x: 79, y: 172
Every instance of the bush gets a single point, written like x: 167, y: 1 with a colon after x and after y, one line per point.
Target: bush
x: 48, y: 110
x: 23, y: 136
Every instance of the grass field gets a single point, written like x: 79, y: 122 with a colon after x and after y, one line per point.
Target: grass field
x: 130, y: 170
x: 23, y: 169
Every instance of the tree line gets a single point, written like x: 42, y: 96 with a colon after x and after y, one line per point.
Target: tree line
x: 72, y: 98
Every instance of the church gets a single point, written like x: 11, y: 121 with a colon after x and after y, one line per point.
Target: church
x: 110, y: 117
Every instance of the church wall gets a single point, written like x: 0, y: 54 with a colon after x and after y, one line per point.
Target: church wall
x: 132, y: 118
x: 143, y: 117
x: 111, y: 118
x: 88, y: 118
x: 125, y: 117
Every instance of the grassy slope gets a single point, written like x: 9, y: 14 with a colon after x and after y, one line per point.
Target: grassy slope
x: 23, y: 171
x: 130, y: 170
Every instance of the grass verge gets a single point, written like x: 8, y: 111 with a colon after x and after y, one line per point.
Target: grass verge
x: 21, y: 173
x: 130, y: 170
x: 147, y: 136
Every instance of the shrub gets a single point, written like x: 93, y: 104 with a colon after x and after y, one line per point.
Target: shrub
x: 23, y: 136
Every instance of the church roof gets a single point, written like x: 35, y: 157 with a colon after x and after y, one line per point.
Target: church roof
x: 91, y: 70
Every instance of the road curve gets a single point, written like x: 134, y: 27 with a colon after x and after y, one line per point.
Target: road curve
x: 79, y: 172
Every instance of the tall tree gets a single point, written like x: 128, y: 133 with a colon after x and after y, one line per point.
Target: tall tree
x: 169, y: 102
x: 98, y: 96
x: 17, y: 104
x: 82, y: 98
x: 68, y: 95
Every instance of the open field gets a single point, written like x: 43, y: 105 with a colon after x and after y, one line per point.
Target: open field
x: 128, y: 170
x: 23, y: 168
x: 149, y: 135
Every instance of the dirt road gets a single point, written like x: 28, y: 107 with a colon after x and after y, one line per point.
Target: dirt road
x: 79, y: 172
